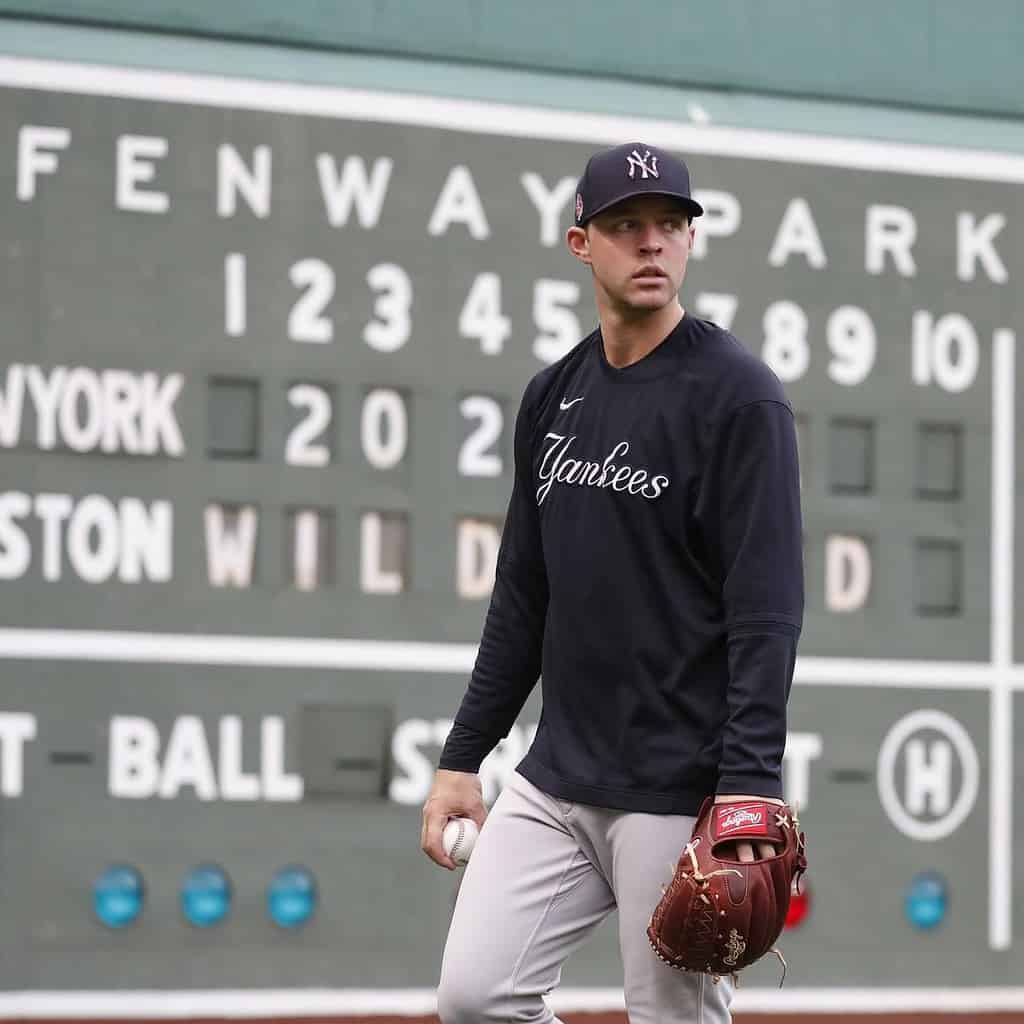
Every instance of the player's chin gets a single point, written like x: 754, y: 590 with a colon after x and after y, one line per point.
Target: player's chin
x: 649, y: 295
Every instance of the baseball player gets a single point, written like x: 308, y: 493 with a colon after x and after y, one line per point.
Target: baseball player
x: 650, y: 572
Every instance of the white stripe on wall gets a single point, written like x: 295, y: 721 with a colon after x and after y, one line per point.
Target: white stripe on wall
x: 420, y: 1002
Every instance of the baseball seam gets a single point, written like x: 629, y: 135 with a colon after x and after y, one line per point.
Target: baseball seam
x: 457, y: 845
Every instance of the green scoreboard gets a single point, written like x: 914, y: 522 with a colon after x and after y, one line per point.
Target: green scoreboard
x: 262, y: 350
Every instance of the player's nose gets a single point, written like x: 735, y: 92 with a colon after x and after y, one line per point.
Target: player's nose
x: 650, y: 238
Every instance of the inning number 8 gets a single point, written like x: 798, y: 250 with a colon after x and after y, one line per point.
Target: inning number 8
x: 785, y: 340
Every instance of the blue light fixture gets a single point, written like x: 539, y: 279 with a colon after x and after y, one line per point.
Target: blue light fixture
x: 291, y: 896
x: 926, y: 900
x: 118, y: 895
x: 205, y: 895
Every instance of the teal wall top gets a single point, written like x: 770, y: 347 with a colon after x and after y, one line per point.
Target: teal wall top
x: 50, y: 39
x: 933, y: 54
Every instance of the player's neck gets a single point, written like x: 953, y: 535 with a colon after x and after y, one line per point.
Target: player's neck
x: 627, y: 339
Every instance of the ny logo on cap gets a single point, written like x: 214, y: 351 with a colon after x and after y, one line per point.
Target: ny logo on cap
x: 647, y: 164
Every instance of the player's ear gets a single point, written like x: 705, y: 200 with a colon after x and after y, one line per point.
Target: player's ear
x: 579, y: 244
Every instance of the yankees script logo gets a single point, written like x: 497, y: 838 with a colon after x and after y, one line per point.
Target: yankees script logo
x: 556, y: 466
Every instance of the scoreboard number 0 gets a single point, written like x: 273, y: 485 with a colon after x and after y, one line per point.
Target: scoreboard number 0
x: 384, y: 428
x: 944, y: 352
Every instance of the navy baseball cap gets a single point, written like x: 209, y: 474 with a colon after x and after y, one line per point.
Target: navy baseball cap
x: 633, y: 169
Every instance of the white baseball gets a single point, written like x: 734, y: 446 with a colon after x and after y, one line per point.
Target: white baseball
x: 459, y: 838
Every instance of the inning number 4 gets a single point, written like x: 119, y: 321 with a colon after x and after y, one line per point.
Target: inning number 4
x: 554, y: 316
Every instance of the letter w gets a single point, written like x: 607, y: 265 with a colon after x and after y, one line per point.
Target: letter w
x: 353, y: 186
x: 229, y: 551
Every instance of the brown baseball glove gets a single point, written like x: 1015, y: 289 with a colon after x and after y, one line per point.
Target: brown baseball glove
x: 718, y: 915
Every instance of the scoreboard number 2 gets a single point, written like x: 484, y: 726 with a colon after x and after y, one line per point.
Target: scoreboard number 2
x: 306, y: 321
x: 480, y: 317
x: 299, y: 449
x: 475, y: 459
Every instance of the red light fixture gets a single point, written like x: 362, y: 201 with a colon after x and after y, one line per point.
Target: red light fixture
x: 799, y: 906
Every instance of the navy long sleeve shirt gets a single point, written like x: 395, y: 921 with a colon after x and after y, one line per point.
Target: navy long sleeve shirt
x: 651, y: 573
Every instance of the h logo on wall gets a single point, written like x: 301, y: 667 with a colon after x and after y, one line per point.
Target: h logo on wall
x: 646, y: 166
x: 928, y: 774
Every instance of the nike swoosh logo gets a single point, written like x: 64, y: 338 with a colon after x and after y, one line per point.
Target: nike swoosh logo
x: 563, y: 404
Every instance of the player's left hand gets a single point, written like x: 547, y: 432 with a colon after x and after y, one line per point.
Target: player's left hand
x: 745, y: 851
x: 748, y: 913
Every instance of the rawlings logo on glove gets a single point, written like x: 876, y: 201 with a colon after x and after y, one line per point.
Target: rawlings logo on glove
x: 746, y: 819
x: 718, y: 914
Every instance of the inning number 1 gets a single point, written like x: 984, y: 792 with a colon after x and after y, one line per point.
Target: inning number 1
x: 309, y: 319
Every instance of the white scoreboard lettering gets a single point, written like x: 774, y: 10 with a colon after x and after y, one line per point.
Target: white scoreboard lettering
x: 260, y: 383
x: 920, y: 800
x: 142, y: 766
x: 17, y: 728
x: 87, y: 410
x: 366, y: 335
x: 93, y: 538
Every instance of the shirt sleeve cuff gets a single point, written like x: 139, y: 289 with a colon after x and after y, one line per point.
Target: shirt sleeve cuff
x: 464, y: 749
x: 754, y: 784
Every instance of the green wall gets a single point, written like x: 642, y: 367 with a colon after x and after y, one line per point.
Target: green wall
x: 216, y: 362
x: 920, y: 53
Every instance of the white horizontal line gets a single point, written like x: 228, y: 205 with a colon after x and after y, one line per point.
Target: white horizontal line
x: 505, y: 119
x: 200, y: 649
x: 237, y: 1003
x: 894, y: 672
x: 398, y: 656
x: 262, y: 1003
x: 880, y: 1000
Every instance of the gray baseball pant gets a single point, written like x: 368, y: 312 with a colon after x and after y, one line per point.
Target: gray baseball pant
x: 544, y: 873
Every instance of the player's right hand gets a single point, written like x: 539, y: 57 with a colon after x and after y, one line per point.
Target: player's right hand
x: 453, y: 795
